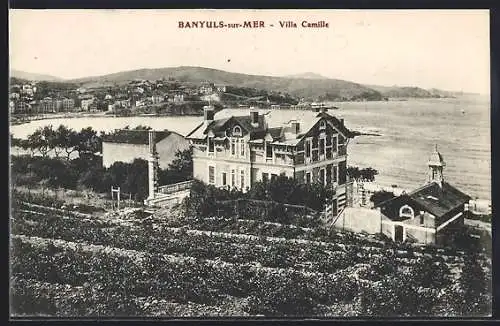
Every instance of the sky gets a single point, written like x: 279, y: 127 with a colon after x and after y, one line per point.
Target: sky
x: 445, y: 49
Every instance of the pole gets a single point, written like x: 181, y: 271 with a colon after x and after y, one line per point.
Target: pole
x: 118, y: 197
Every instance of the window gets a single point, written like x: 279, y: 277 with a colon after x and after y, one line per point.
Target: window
x: 308, y: 148
x: 242, y: 148
x: 233, y: 146
x: 322, y: 125
x: 406, y: 211
x: 322, y: 176
x: 269, y: 150
x: 224, y: 178
x: 322, y: 146
x: 273, y: 176
x: 265, y: 177
x: 237, y: 131
x: 334, y: 173
x: 211, y: 174
x: 242, y: 179
x: 211, y: 144
x: 233, y: 178
x: 334, y: 143
x: 342, y: 172
x: 308, y: 177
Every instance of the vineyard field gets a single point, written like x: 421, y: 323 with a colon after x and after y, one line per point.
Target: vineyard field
x: 65, y: 263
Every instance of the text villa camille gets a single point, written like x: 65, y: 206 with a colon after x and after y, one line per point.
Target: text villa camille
x: 252, y: 24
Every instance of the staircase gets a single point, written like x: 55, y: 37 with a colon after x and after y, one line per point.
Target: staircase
x: 170, y: 194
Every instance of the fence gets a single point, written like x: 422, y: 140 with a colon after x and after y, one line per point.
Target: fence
x: 79, y: 197
x: 172, y: 188
x: 268, y: 210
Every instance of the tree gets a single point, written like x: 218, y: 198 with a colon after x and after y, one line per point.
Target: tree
x: 180, y: 169
x: 353, y: 173
x: 88, y: 143
x: 368, y: 174
x: 38, y: 141
x: 380, y: 196
x: 67, y: 139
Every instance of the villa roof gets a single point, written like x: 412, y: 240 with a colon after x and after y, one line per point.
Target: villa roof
x: 275, y: 122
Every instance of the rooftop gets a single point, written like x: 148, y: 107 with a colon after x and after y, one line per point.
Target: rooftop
x: 439, y: 200
x: 276, y: 122
x: 131, y: 136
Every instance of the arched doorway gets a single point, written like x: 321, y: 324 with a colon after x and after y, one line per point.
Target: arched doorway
x: 398, y: 233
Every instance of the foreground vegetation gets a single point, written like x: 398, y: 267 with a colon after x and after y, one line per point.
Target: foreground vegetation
x: 66, y: 263
x: 64, y: 169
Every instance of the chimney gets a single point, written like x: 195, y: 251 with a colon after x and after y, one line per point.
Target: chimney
x: 254, y: 115
x: 208, y: 113
x: 342, y: 122
x: 295, y: 127
x: 151, y: 142
x: 422, y: 214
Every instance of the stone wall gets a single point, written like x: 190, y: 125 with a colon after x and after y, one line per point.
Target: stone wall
x: 358, y: 219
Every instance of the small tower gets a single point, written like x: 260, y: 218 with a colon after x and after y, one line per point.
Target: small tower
x: 436, y: 165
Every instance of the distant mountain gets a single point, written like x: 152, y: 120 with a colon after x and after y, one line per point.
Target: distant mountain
x: 307, y: 75
x: 323, y: 89
x: 308, y: 85
x: 33, y: 77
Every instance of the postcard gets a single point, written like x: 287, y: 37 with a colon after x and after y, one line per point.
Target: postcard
x: 250, y: 163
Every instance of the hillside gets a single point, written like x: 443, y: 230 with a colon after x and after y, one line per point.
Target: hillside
x: 307, y: 75
x: 299, y: 87
x: 308, y: 85
x: 31, y: 76
x: 412, y: 92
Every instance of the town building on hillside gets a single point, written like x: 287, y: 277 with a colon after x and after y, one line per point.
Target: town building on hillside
x: 65, y: 105
x: 21, y: 107
x: 238, y: 147
x: 429, y: 214
x: 86, y: 102
x: 176, y: 98
x: 27, y: 89
x: 47, y: 105
x: 206, y: 88
x: 125, y: 145
x: 157, y: 98
x: 220, y: 88
x: 124, y: 103
x: 12, y: 107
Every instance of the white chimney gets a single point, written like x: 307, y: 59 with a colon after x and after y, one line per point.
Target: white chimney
x: 208, y: 113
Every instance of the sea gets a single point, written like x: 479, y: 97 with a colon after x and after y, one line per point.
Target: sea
x: 407, y: 133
